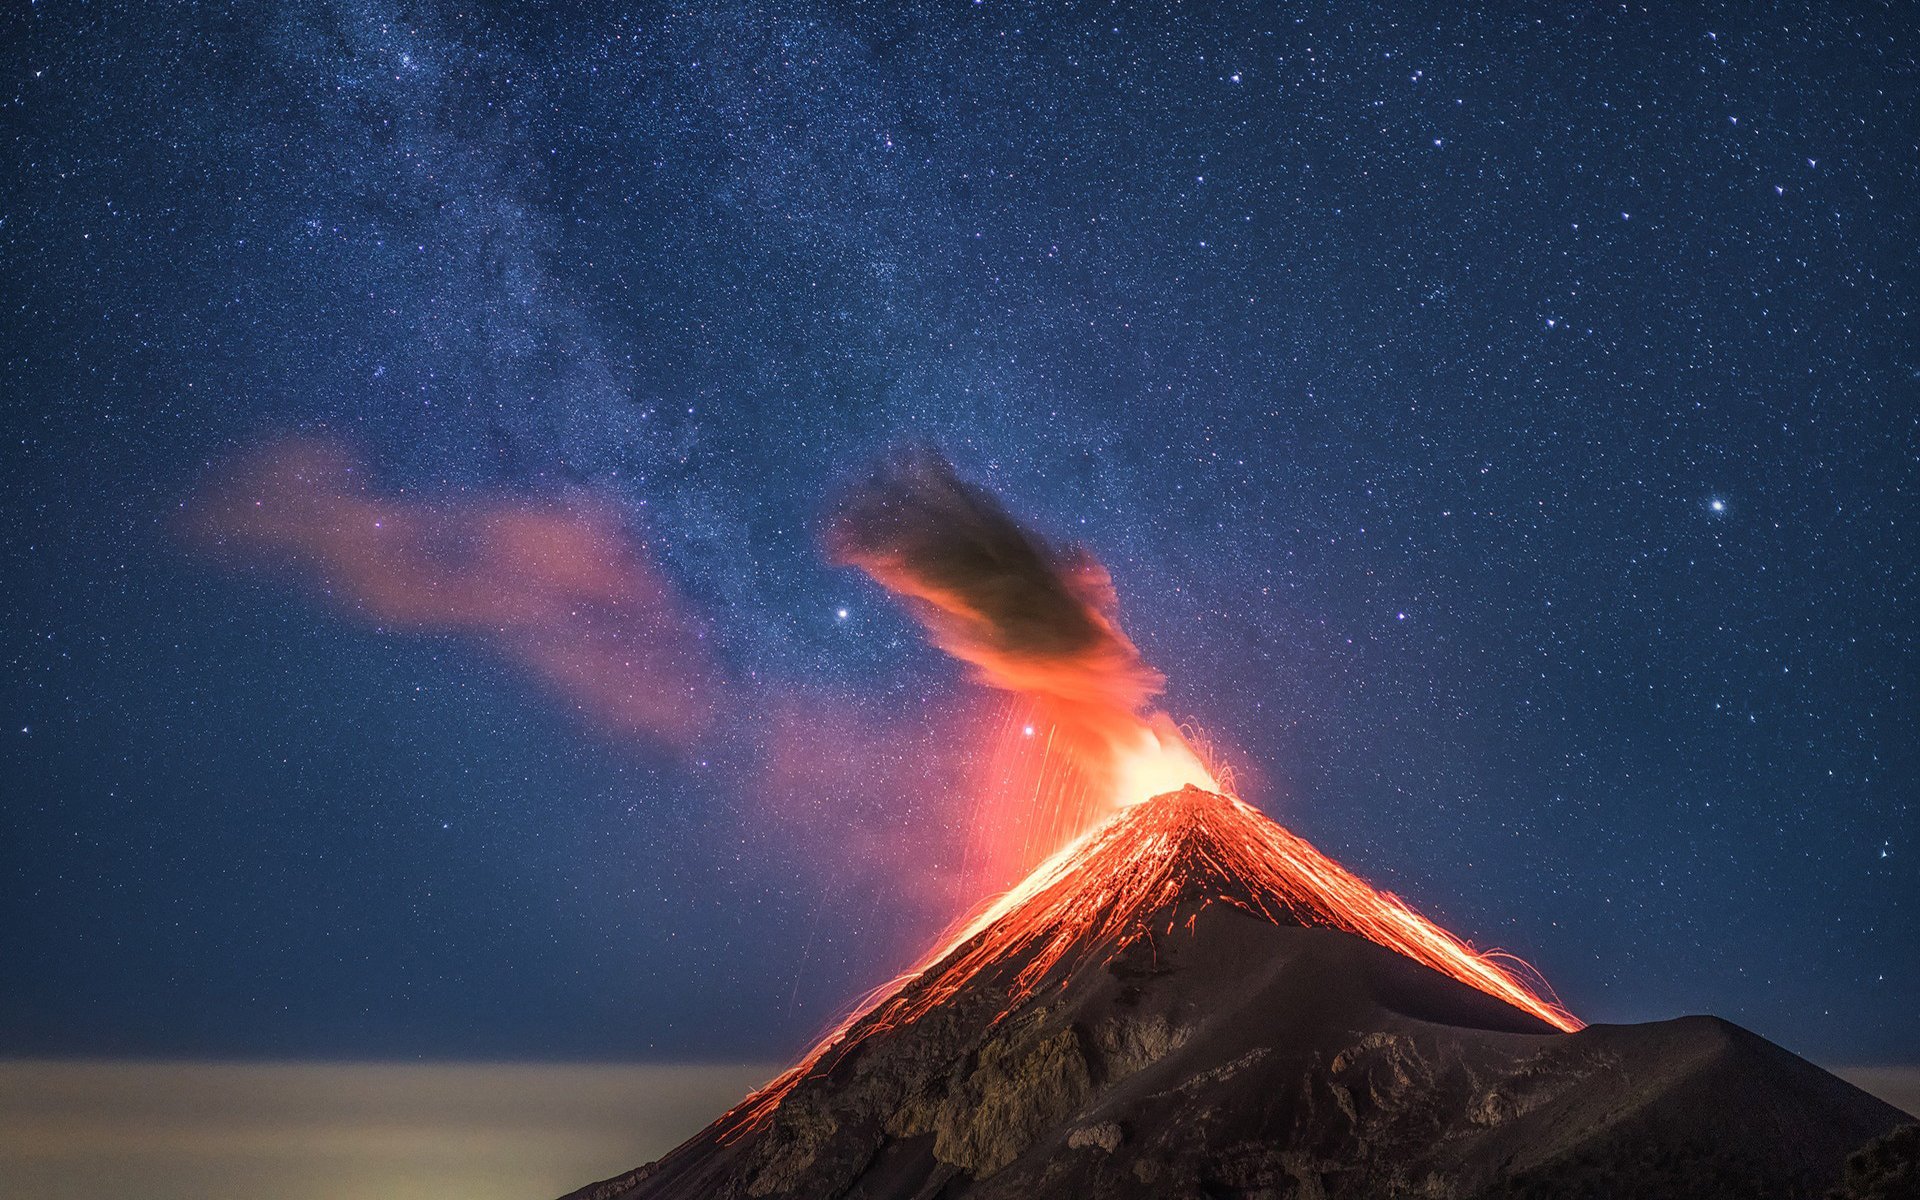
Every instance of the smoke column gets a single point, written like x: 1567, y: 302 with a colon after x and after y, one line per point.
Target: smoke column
x: 1029, y: 618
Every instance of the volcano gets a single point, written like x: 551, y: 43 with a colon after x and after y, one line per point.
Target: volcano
x: 1193, y: 1002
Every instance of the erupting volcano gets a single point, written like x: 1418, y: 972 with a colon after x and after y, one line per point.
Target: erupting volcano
x: 1181, y: 998
x: 1192, y: 1002
x: 1135, y: 879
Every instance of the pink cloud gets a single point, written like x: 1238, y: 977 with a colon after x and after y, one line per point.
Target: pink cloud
x: 558, y: 587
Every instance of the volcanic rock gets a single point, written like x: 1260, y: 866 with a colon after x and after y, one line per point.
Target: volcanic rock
x: 1167, y: 1019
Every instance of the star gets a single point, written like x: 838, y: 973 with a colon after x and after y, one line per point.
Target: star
x: 723, y: 320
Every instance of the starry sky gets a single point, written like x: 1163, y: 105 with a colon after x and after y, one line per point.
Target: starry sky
x: 1500, y: 427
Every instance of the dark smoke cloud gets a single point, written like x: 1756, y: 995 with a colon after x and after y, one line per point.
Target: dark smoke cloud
x: 1028, y: 617
x: 559, y: 588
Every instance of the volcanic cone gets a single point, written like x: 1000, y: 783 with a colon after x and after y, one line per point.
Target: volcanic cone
x: 1193, y: 1002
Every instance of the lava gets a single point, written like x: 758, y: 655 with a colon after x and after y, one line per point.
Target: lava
x: 1034, y: 794
x: 1125, y: 881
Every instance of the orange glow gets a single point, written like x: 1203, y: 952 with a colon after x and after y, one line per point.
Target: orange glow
x: 1032, y: 619
x: 1159, y: 761
x: 1115, y: 885
x: 1036, y: 791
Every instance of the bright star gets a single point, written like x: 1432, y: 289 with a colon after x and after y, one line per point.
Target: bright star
x: 1717, y: 504
x: 840, y: 614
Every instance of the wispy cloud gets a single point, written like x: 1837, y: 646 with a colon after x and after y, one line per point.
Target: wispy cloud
x: 560, y: 587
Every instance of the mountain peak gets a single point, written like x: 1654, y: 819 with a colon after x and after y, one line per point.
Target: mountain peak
x: 1150, y: 869
x: 1193, y: 1001
x: 1196, y: 847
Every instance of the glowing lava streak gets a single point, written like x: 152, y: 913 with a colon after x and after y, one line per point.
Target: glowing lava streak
x: 1132, y: 878
x: 1035, y: 792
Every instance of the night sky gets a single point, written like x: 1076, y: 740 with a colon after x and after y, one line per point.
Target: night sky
x: 1501, y: 430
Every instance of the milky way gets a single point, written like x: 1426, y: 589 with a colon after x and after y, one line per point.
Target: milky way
x: 1500, y: 430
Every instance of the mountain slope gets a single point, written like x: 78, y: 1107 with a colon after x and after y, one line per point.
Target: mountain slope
x: 1183, y: 1010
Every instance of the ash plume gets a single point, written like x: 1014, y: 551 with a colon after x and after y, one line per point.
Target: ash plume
x: 1027, y: 616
